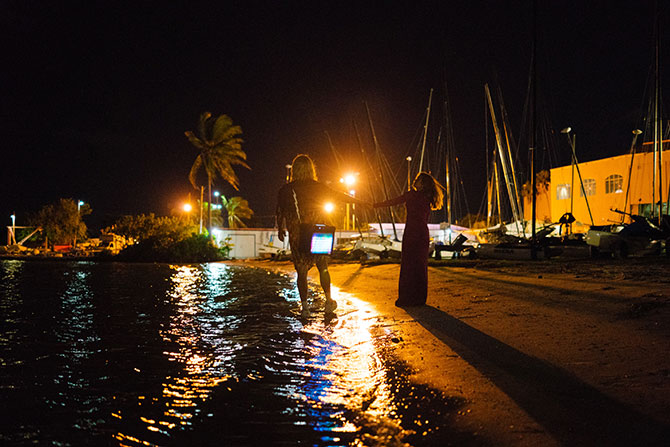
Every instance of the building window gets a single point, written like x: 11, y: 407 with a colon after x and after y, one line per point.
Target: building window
x: 563, y: 191
x: 589, y: 187
x: 614, y: 184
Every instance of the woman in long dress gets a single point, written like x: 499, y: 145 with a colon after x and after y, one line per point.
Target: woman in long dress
x: 426, y: 194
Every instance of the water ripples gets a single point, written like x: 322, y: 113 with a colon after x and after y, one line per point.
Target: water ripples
x: 202, y: 354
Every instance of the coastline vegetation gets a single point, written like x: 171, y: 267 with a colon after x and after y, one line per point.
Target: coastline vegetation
x: 61, y: 223
x: 147, y: 237
x: 164, y: 239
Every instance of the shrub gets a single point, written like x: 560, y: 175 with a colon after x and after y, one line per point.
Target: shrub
x: 193, y: 249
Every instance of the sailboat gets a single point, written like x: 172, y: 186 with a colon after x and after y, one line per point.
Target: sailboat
x: 376, y: 245
x: 642, y: 235
x: 506, y: 241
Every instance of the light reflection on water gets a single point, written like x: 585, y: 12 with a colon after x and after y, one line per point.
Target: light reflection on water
x: 202, y: 354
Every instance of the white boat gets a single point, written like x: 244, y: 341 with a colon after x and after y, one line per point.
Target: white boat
x: 376, y: 246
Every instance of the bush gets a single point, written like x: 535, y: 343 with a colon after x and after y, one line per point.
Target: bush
x: 193, y: 249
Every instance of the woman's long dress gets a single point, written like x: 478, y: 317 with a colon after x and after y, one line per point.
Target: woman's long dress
x: 413, y: 282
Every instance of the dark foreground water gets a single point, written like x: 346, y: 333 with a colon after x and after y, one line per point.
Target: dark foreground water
x: 151, y: 354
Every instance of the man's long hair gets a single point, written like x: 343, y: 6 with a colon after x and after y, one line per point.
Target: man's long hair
x: 302, y: 168
x: 427, y: 184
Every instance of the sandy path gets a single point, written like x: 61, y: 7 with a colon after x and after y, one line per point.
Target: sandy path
x: 544, y: 354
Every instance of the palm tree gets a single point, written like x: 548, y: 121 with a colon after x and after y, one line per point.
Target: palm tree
x: 237, y: 209
x: 220, y: 148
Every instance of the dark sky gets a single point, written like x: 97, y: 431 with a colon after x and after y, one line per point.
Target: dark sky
x: 96, y: 96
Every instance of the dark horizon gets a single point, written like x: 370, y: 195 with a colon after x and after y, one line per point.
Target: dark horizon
x: 96, y: 99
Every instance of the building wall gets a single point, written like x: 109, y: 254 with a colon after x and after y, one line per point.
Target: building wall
x: 606, y: 182
x: 542, y: 207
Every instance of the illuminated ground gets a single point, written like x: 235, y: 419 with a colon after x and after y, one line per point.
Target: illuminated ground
x: 550, y: 353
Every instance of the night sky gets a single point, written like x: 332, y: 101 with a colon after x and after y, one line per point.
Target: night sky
x: 96, y: 96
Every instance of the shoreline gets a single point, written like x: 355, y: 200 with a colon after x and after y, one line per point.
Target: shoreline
x: 544, y: 353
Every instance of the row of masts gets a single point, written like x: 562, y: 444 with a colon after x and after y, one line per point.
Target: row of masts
x: 502, y: 166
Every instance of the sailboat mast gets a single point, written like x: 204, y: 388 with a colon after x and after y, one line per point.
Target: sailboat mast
x: 489, y: 199
x: 656, y: 136
x: 449, y: 146
x: 381, y: 174
x: 636, y: 133
x: 447, y: 186
x: 496, y: 184
x: 503, y: 112
x: 371, y: 174
x: 658, y: 126
x: 336, y: 156
x: 572, y: 185
x: 533, y: 176
x: 425, y: 130
x: 514, y: 183
x: 513, y: 203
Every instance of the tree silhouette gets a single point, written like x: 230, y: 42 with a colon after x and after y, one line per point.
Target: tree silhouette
x: 220, y: 149
x: 237, y: 209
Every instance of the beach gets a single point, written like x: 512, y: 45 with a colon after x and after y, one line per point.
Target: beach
x: 561, y: 352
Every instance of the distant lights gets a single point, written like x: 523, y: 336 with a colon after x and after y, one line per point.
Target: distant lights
x: 187, y: 207
x: 329, y: 207
x: 349, y: 179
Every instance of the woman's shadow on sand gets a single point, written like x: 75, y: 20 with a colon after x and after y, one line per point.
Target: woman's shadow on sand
x: 572, y: 411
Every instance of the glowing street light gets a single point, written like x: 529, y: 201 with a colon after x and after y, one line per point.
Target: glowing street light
x: 409, y: 168
x: 79, y: 205
x: 13, y: 217
x: 187, y: 207
x: 217, y: 205
x: 349, y: 180
x: 329, y: 207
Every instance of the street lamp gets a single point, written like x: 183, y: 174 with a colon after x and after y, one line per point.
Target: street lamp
x: 567, y: 131
x: 409, y: 161
x: 349, y: 180
x: 217, y: 196
x: 13, y: 238
x: 353, y: 209
x: 575, y: 165
x: 80, y: 203
x: 288, y: 173
x: 187, y: 207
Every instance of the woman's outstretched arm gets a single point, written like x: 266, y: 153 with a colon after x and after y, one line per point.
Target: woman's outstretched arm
x: 395, y: 201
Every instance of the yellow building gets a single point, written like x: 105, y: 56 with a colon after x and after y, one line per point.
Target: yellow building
x: 607, y: 188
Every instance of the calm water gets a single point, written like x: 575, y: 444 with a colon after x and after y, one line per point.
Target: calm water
x: 213, y: 354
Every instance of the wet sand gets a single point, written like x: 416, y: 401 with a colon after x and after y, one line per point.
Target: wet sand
x: 548, y: 353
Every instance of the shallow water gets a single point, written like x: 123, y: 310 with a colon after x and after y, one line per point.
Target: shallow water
x: 212, y: 354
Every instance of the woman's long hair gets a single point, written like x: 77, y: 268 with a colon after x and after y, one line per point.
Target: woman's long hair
x: 302, y: 168
x: 427, y: 184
